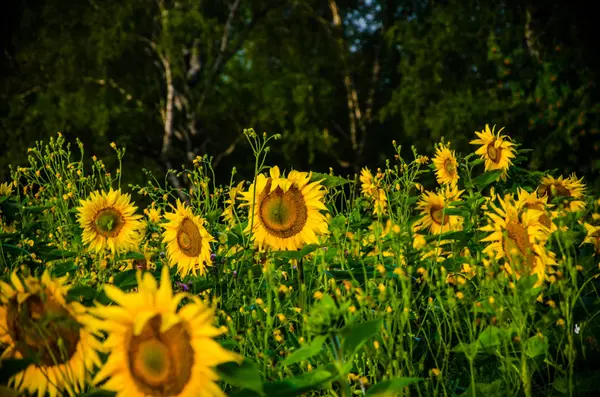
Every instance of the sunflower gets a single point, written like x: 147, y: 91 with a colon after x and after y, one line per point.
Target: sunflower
x: 433, y: 205
x: 287, y: 212
x: 108, y: 220
x: 563, y: 187
x: 153, y: 214
x: 496, y: 150
x: 593, y: 236
x: 368, y: 185
x: 5, y: 189
x: 229, y: 212
x: 36, y: 323
x: 446, y: 166
x: 527, y: 201
x: 518, y: 239
x: 156, y: 349
x: 188, y: 242
x: 380, y: 203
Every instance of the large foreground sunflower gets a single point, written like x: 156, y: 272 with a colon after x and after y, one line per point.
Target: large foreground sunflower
x: 446, y: 166
x: 109, y: 221
x: 569, y: 187
x: 156, y: 349
x: 518, y: 239
x: 37, y: 323
x: 496, y: 150
x: 433, y: 206
x: 287, y: 212
x: 188, y: 242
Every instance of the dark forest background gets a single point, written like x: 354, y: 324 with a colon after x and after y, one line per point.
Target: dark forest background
x: 339, y: 80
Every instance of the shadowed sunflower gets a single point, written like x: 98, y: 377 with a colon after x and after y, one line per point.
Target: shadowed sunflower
x: 229, y: 213
x: 108, y: 220
x: 188, y: 242
x: 36, y: 323
x: 495, y: 149
x: 157, y: 349
x: 592, y: 237
x: 446, y: 166
x: 433, y: 205
x: 519, y: 240
x: 5, y: 189
x: 531, y: 201
x: 563, y: 187
x: 287, y: 212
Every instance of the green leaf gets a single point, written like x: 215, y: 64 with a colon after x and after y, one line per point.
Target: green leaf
x: 62, y: 269
x: 132, y: 255
x: 294, y: 386
x: 126, y: 279
x: 58, y: 254
x: 306, y: 352
x: 486, y: 178
x: 329, y: 181
x: 535, y: 346
x: 245, y: 375
x: 494, y: 389
x: 391, y: 386
x: 491, y: 337
x: 297, y: 254
x: 79, y: 291
x: 356, y: 335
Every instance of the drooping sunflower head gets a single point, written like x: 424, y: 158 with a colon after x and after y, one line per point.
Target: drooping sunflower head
x: 286, y: 213
x: 188, y: 242
x: 446, y: 166
x: 518, y: 239
x: 497, y: 150
x: 569, y: 187
x: 109, y: 221
x: 157, y: 349
x: 433, y: 206
x: 37, y: 323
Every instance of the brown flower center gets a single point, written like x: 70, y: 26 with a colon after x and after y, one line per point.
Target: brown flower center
x: 517, y: 247
x: 283, y: 214
x: 544, y: 218
x: 554, y: 190
x: 450, y: 167
x: 42, y: 329
x: 438, y: 216
x: 494, y: 153
x: 161, y: 362
x: 189, y: 238
x: 109, y: 222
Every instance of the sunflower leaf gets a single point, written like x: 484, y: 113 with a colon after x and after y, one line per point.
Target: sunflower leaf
x: 245, y: 375
x: 306, y: 352
x: 486, y: 178
x: 357, y: 334
x: 390, y: 387
x: 329, y: 181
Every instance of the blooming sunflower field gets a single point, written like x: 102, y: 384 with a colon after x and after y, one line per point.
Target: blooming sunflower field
x: 463, y: 274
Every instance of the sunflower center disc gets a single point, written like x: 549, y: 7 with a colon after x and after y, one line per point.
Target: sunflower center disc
x: 494, y: 153
x: 109, y: 222
x: 283, y: 214
x: 43, y: 329
x: 450, y: 167
x: 559, y: 191
x: 544, y: 218
x: 152, y: 362
x: 189, y: 238
x: 161, y: 363
x: 516, y: 245
x: 437, y: 214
